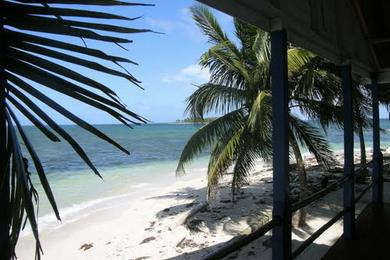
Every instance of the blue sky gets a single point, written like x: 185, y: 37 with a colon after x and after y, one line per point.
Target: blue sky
x: 168, y: 63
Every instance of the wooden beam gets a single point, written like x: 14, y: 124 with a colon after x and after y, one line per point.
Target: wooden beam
x: 366, y: 32
x: 281, y: 234
x: 377, y: 178
x: 349, y: 194
x: 379, y: 40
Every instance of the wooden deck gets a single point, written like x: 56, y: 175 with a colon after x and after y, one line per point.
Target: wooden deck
x: 372, y: 240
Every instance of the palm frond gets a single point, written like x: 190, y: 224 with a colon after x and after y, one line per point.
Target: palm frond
x: 247, y: 35
x: 214, y: 98
x: 311, y: 138
x: 245, y: 163
x: 226, y: 68
x: 223, y: 155
x: 207, y: 135
x: 259, y: 119
x: 31, y: 58
x: 209, y: 25
x: 262, y: 50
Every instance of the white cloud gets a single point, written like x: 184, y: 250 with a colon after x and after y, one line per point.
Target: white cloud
x: 182, y: 23
x: 160, y: 25
x: 192, y: 73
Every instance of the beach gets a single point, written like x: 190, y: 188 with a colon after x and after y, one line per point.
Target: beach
x: 149, y: 223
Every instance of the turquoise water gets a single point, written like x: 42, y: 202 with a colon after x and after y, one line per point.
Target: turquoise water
x: 155, y: 150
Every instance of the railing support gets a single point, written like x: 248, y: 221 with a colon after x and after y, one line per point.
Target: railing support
x: 281, y: 234
x: 349, y: 196
x: 377, y: 178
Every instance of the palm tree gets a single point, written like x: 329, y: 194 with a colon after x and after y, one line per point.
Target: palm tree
x: 362, y: 106
x: 239, y: 91
x: 33, y: 59
x: 309, y: 70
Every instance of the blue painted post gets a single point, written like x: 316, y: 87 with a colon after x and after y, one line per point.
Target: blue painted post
x: 349, y: 194
x: 377, y: 178
x: 281, y: 234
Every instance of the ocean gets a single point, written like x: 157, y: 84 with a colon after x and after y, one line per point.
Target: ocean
x: 155, y: 150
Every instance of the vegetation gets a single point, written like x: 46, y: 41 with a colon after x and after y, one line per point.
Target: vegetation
x: 38, y: 51
x: 239, y: 89
x: 363, y: 111
x: 196, y: 120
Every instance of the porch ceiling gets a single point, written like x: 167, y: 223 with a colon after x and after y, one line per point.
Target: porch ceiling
x: 355, y: 31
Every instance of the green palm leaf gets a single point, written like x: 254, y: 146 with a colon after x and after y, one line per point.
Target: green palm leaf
x: 207, y: 135
x: 311, y: 138
x: 214, y: 98
x: 30, y: 56
x: 223, y: 155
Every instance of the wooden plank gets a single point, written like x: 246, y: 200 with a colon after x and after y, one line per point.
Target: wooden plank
x: 281, y: 234
x: 372, y: 237
x: 349, y: 197
x: 377, y: 190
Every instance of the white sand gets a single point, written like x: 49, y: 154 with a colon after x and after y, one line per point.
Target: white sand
x: 117, y: 231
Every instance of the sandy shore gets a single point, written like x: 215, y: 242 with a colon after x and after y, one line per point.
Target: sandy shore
x: 150, y: 226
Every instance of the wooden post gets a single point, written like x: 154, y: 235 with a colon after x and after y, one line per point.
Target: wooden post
x: 281, y: 234
x: 4, y: 178
x: 349, y: 194
x: 377, y: 178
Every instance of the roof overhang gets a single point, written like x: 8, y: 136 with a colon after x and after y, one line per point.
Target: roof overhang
x: 341, y: 31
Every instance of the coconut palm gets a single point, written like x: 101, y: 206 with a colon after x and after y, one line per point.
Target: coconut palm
x: 362, y: 101
x: 239, y: 90
x: 317, y: 93
x: 311, y: 72
x: 39, y: 46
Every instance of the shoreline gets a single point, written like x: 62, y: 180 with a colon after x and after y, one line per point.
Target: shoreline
x: 148, y: 226
x: 129, y: 212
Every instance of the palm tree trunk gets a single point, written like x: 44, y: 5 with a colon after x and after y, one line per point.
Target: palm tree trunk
x: 363, y: 159
x: 361, y: 177
x: 4, y: 177
x: 302, y: 178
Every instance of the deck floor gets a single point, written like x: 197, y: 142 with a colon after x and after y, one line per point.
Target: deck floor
x: 372, y: 237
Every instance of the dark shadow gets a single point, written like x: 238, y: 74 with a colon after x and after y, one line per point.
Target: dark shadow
x: 186, y: 193
x: 255, y: 250
x: 223, y: 212
x: 175, y: 210
x: 300, y: 233
x: 371, y: 237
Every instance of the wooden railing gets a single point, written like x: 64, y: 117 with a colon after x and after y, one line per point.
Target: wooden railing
x: 238, y: 242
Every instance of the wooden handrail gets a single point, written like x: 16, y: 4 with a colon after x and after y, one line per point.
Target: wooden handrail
x: 321, y: 193
x: 363, y: 192
x: 317, y: 195
x: 316, y: 234
x: 237, y: 242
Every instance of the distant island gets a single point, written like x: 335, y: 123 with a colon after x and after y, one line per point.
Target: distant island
x: 196, y: 120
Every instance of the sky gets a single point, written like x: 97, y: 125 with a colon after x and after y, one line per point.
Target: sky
x: 168, y: 63
x: 169, y: 66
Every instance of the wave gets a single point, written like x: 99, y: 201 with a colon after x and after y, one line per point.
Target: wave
x: 141, y: 185
x: 72, y: 213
